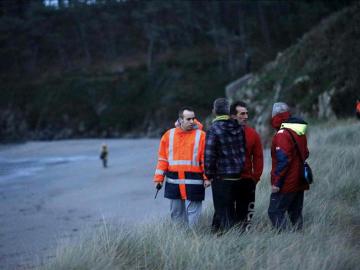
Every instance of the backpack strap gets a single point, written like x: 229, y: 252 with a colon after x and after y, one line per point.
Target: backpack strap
x: 296, y: 144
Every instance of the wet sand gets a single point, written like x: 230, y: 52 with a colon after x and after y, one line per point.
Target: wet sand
x: 72, y: 193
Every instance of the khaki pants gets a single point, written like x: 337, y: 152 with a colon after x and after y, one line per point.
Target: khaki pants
x: 185, y: 211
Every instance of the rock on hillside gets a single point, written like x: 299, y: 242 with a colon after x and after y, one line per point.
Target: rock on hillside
x: 319, y: 76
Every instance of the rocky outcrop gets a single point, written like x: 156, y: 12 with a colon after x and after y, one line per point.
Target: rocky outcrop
x: 318, y: 77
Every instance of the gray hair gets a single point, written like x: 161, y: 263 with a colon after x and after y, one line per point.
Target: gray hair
x: 279, y: 107
x: 221, y: 106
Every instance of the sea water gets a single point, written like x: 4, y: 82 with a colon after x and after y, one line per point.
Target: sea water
x: 24, y: 167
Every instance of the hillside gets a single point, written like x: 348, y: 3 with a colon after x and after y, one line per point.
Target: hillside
x: 318, y: 76
x: 123, y: 68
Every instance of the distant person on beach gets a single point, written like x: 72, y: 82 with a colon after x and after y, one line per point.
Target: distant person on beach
x: 224, y: 161
x: 287, y: 185
x: 358, y: 109
x: 181, y: 160
x: 104, y: 155
x: 244, y: 189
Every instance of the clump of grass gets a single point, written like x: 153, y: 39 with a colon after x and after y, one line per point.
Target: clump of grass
x: 330, y: 239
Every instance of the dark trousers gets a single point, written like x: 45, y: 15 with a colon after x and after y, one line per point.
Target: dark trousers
x: 104, y: 161
x: 244, y: 202
x: 292, y: 203
x: 223, y: 204
x: 234, y: 203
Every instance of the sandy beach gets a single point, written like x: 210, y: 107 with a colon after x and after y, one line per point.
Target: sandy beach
x: 54, y: 191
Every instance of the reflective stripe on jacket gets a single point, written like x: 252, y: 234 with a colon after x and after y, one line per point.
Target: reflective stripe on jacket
x: 181, y: 159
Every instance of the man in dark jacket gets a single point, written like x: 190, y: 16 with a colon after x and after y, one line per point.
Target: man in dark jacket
x: 287, y: 184
x: 224, y: 161
x: 244, y: 190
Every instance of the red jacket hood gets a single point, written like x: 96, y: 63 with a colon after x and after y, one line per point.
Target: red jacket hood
x: 278, y: 119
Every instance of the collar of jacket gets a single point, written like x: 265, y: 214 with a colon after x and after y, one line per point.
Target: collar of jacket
x: 185, y: 131
x: 221, y: 117
x: 300, y: 129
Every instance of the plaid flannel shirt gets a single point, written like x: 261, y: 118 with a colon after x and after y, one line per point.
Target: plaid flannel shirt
x: 224, y: 149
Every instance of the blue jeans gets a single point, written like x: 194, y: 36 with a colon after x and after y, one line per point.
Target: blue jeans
x: 292, y: 203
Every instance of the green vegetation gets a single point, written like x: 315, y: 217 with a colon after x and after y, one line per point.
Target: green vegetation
x: 119, y: 68
x: 330, y: 239
x: 318, y: 75
x: 108, y: 104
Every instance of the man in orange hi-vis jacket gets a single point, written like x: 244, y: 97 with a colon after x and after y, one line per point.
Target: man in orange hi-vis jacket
x: 358, y: 109
x: 181, y: 160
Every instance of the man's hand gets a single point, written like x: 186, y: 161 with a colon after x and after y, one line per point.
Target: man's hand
x: 207, y: 183
x: 275, y: 189
x: 158, y: 185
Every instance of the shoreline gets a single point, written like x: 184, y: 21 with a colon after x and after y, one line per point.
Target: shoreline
x: 62, y: 200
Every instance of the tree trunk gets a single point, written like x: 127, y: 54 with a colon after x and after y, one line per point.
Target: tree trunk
x: 264, y: 25
x: 84, y: 42
x: 242, y: 31
x: 150, y: 53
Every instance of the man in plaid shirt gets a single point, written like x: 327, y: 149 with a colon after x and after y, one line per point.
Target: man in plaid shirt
x: 224, y: 161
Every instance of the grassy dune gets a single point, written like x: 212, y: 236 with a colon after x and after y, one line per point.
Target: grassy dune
x: 330, y: 239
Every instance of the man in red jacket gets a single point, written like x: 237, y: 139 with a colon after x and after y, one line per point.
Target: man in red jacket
x: 244, y: 191
x: 358, y: 108
x: 287, y: 185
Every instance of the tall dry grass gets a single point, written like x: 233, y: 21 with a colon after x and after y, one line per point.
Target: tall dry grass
x: 330, y: 240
